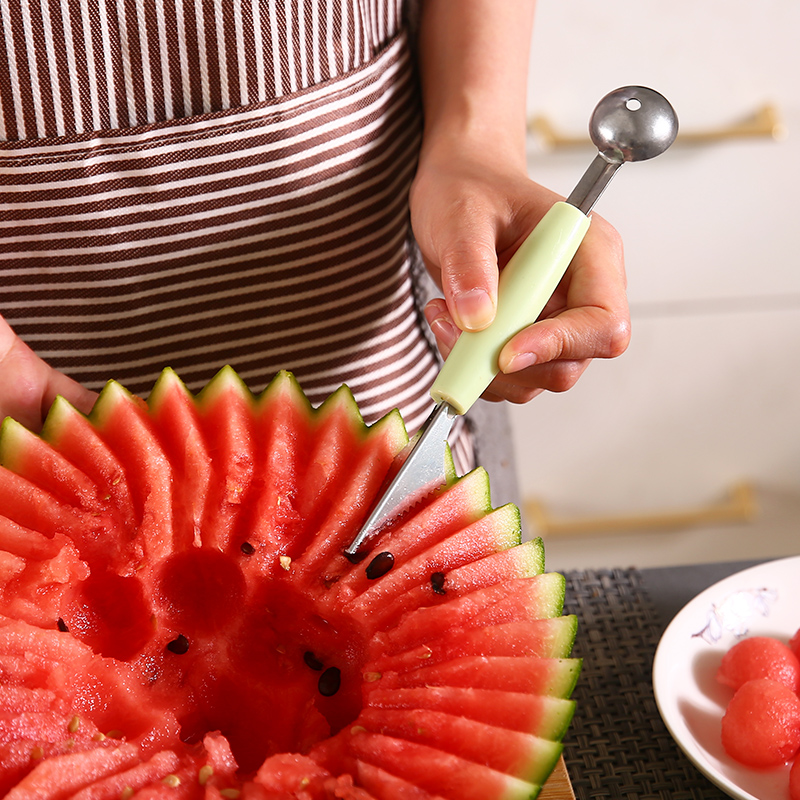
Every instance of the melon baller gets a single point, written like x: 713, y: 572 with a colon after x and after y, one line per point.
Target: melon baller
x: 632, y: 123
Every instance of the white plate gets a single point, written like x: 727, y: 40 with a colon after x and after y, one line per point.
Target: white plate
x: 760, y: 601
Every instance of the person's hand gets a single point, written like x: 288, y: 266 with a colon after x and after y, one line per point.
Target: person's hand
x: 28, y: 385
x: 469, y: 216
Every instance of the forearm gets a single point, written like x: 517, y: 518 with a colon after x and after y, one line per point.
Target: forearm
x: 474, y: 63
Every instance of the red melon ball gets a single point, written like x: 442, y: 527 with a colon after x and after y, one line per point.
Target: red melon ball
x: 759, y: 657
x: 761, y: 726
x: 794, y: 780
x: 794, y: 644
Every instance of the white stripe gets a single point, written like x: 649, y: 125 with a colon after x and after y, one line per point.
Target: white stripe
x: 125, y: 53
x: 163, y: 49
x: 365, y: 30
x: 33, y: 68
x: 289, y: 41
x: 202, y: 55
x: 88, y: 46
x: 222, y: 54
x: 147, y: 75
x: 3, y: 112
x: 13, y: 70
x: 111, y: 95
x: 276, y: 48
x: 302, y: 36
x: 315, y: 38
x: 183, y: 57
x: 332, y: 65
x: 347, y: 42
x: 258, y: 45
x: 380, y: 27
x: 355, y: 43
x: 72, y: 70
x: 241, y: 52
x: 52, y: 65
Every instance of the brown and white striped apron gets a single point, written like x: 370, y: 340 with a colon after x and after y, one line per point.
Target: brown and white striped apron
x: 204, y: 182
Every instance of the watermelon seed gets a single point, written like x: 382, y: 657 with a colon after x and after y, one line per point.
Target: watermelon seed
x: 371, y: 677
x: 232, y: 794
x: 312, y: 661
x: 171, y: 780
x: 127, y: 793
x: 380, y: 565
x: 247, y: 548
x: 329, y: 681
x: 437, y: 582
x: 37, y: 754
x: 205, y: 773
x: 74, y: 724
x: 286, y: 562
x: 62, y: 626
x: 178, y: 645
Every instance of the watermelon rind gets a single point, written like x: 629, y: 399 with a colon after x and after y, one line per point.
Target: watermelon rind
x: 178, y: 616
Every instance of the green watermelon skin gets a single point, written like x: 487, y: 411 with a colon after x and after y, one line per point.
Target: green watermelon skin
x: 178, y: 618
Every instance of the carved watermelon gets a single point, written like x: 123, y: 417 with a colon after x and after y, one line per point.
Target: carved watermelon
x: 177, y: 617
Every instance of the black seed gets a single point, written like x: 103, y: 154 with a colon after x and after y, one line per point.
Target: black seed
x: 247, y: 548
x: 62, y: 626
x: 329, y: 681
x: 357, y: 557
x: 312, y: 661
x: 380, y: 565
x: 179, y: 645
x: 437, y: 582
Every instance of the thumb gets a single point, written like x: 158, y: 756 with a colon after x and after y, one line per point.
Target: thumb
x: 468, y: 261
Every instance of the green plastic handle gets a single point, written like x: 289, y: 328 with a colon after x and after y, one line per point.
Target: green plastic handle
x: 526, y: 284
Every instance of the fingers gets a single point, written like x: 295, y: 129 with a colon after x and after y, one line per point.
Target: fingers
x: 30, y: 385
x: 458, y: 240
x: 587, y: 318
x: 520, y: 386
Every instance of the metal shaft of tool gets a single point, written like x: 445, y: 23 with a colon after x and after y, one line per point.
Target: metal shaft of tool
x: 593, y: 183
x: 422, y: 471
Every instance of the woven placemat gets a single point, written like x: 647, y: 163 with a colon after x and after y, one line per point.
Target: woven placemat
x: 617, y: 745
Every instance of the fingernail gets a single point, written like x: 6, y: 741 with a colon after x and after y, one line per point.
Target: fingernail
x: 519, y: 362
x: 444, y: 330
x: 475, y: 310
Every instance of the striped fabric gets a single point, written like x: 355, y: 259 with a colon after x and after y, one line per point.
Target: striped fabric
x: 70, y: 66
x: 268, y: 235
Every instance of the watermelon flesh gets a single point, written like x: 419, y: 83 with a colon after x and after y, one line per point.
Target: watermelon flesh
x: 176, y: 610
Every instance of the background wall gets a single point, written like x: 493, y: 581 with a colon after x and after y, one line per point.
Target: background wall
x: 708, y: 394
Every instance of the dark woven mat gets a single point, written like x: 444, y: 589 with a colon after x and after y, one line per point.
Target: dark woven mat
x: 617, y: 745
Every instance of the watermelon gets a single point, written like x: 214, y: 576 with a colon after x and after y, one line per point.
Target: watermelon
x: 178, y: 617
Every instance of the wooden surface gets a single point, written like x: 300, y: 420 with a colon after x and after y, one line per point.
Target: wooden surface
x: 558, y: 786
